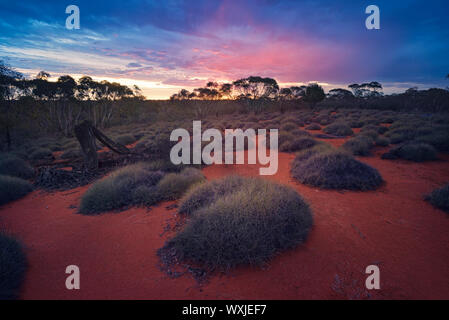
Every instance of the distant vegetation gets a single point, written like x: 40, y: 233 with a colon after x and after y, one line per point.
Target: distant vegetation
x: 39, y: 106
x: 13, y: 265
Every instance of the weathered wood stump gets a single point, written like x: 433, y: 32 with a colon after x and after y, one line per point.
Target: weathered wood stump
x: 86, y: 134
x: 86, y: 138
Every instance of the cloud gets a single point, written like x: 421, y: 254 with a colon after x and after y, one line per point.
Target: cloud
x: 134, y: 65
x: 184, y: 43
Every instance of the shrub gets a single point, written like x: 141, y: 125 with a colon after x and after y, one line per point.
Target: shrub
x: 440, y: 198
x: 372, y: 134
x: 14, y: 166
x: 382, y: 141
x: 356, y: 124
x: 125, y: 139
x: 335, y: 170
x: 236, y: 221
x: 13, y: 265
x: 41, y: 154
x: 339, y: 129
x: 314, y: 126
x: 438, y: 139
x: 413, y: 151
x: 373, y: 128
x: 174, y: 185
x: 283, y: 137
x: 118, y: 190
x: 307, y: 153
x: 13, y: 188
x: 159, y: 146
x: 359, y: 145
x: 298, y: 144
x: 289, y: 126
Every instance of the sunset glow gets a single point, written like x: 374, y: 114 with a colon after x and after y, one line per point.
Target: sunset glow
x: 163, y: 47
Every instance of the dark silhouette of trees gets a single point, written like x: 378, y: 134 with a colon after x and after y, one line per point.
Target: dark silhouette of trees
x: 314, y: 94
x: 12, y: 86
x: 256, y: 88
x: 340, y: 93
x: 366, y: 90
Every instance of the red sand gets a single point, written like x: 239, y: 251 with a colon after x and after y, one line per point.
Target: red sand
x: 392, y: 227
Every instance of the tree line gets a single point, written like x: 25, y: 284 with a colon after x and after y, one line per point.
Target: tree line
x: 259, y: 88
x: 67, y: 101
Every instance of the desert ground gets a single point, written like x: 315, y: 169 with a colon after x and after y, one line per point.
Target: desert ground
x: 391, y: 226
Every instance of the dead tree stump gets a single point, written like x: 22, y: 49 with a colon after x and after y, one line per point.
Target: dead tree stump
x: 86, y: 138
x: 86, y: 134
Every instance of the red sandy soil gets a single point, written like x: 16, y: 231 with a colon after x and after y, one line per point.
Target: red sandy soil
x: 391, y: 227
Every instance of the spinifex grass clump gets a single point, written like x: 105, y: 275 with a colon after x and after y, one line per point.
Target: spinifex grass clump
x: 331, y: 169
x: 412, y: 151
x: 13, y: 188
x: 117, y: 190
x: 440, y: 198
x: 13, y: 265
x: 298, y: 144
x: 14, y: 166
x: 174, y: 185
x: 137, y: 185
x: 313, y: 126
x: 360, y: 145
x: 339, y: 129
x: 237, y: 221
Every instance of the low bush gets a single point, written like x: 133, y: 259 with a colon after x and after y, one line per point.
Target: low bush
x: 335, y: 170
x: 413, y: 151
x: 238, y: 221
x: 289, y: 126
x: 307, y: 153
x: 313, y: 126
x: 438, y: 139
x: 14, y: 166
x: 382, y: 142
x: 13, y: 266
x: 13, y: 188
x: 339, y: 129
x: 118, y: 190
x: 298, y: 144
x: 372, y: 134
x: 137, y: 184
x: 440, y: 198
x: 360, y: 145
x: 174, y: 185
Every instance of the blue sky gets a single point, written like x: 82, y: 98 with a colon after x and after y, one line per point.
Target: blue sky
x: 163, y: 46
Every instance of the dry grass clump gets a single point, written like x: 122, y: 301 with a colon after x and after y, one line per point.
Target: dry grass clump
x: 137, y: 184
x: 333, y: 169
x: 237, y: 221
x: 13, y: 265
x: 13, y: 188
x: 360, y: 145
x: 440, y: 198
x: 12, y: 165
x: 339, y: 129
x: 412, y: 151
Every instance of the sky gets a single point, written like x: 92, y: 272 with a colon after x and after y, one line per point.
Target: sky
x: 163, y: 46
